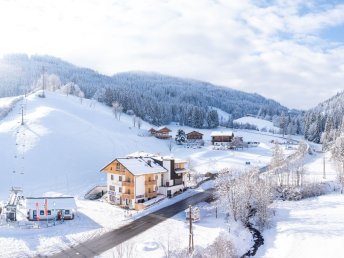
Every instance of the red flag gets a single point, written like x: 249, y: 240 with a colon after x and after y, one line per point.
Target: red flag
x: 46, y: 207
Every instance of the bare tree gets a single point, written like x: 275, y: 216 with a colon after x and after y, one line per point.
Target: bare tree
x: 134, y: 120
x: 124, y: 250
x: 338, y: 156
x: 139, y: 123
x: 117, y: 109
x: 170, y: 144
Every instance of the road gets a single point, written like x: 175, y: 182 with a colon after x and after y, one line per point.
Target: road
x: 100, y: 244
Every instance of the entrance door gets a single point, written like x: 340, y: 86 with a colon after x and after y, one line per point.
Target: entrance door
x: 34, y: 215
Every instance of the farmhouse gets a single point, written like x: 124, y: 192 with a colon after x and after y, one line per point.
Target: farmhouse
x: 218, y: 138
x: 49, y: 208
x: 161, y: 132
x: 133, y: 180
x: 194, y: 135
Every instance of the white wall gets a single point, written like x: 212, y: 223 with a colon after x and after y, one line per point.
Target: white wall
x: 167, y: 176
x: 140, y: 185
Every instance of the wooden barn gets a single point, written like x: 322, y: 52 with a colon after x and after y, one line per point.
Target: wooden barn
x: 221, y: 137
x: 161, y: 132
x: 194, y: 135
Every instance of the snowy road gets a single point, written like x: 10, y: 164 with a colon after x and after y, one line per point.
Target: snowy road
x: 108, y: 240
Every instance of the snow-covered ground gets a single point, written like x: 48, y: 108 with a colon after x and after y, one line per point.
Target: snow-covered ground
x: 309, y: 228
x: 173, y: 234
x: 260, y: 123
x: 65, y: 142
x: 22, y: 242
x: 60, y: 150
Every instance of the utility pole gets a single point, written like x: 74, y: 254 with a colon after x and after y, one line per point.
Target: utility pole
x: 43, y: 82
x: 191, y: 242
x: 22, y: 115
x: 324, y: 167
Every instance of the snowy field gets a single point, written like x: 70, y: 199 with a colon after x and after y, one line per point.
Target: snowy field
x: 260, y: 123
x: 309, y: 228
x: 60, y: 150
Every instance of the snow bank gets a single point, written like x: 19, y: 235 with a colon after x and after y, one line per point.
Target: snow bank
x: 260, y: 123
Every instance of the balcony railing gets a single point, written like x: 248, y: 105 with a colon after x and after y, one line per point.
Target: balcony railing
x: 151, y: 195
x: 151, y: 182
x: 127, y: 196
x: 127, y: 183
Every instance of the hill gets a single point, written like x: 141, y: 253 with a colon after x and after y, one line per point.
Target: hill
x: 261, y: 124
x: 66, y: 140
x: 158, y: 99
x: 327, y: 116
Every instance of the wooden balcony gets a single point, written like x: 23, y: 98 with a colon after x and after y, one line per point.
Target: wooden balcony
x: 129, y: 196
x: 151, y: 195
x: 151, y: 182
x: 128, y: 183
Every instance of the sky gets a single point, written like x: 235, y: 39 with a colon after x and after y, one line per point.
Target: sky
x: 288, y: 50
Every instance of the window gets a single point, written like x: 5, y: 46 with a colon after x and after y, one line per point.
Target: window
x: 67, y: 212
x: 111, y: 177
x: 120, y: 178
x: 120, y: 189
x: 118, y: 166
x: 49, y: 212
x: 41, y: 212
x: 112, y: 188
x: 149, y: 190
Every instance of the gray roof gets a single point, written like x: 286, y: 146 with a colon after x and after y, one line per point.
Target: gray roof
x: 142, y: 166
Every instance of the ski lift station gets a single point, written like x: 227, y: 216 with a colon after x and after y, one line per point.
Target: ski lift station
x: 50, y: 208
x: 195, y: 214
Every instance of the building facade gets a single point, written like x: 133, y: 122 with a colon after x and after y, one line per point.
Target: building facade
x: 134, y: 180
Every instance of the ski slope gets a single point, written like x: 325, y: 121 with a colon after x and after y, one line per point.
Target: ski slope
x: 66, y: 140
x: 260, y: 123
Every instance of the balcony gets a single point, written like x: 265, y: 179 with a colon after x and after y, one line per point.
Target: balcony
x: 151, y: 195
x: 151, y: 182
x: 128, y: 183
x: 127, y: 196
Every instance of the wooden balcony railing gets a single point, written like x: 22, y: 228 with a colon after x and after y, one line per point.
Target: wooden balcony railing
x: 127, y: 196
x: 128, y: 183
x: 151, y: 195
x: 151, y: 182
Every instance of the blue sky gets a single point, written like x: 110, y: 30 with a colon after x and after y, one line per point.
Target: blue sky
x: 288, y: 50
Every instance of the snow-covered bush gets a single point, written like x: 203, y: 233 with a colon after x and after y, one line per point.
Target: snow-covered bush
x: 222, y: 247
x: 7, y: 106
x: 244, y: 195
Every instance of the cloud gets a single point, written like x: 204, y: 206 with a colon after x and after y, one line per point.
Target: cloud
x: 273, y: 48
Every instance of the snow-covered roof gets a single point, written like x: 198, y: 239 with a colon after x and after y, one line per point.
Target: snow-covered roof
x: 65, y: 203
x: 163, y: 127
x: 141, y: 166
x: 194, y: 132
x: 180, y: 161
x: 222, y: 133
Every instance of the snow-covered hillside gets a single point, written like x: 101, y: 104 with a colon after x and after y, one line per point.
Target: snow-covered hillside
x: 65, y: 141
x: 260, y: 123
x: 63, y: 145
